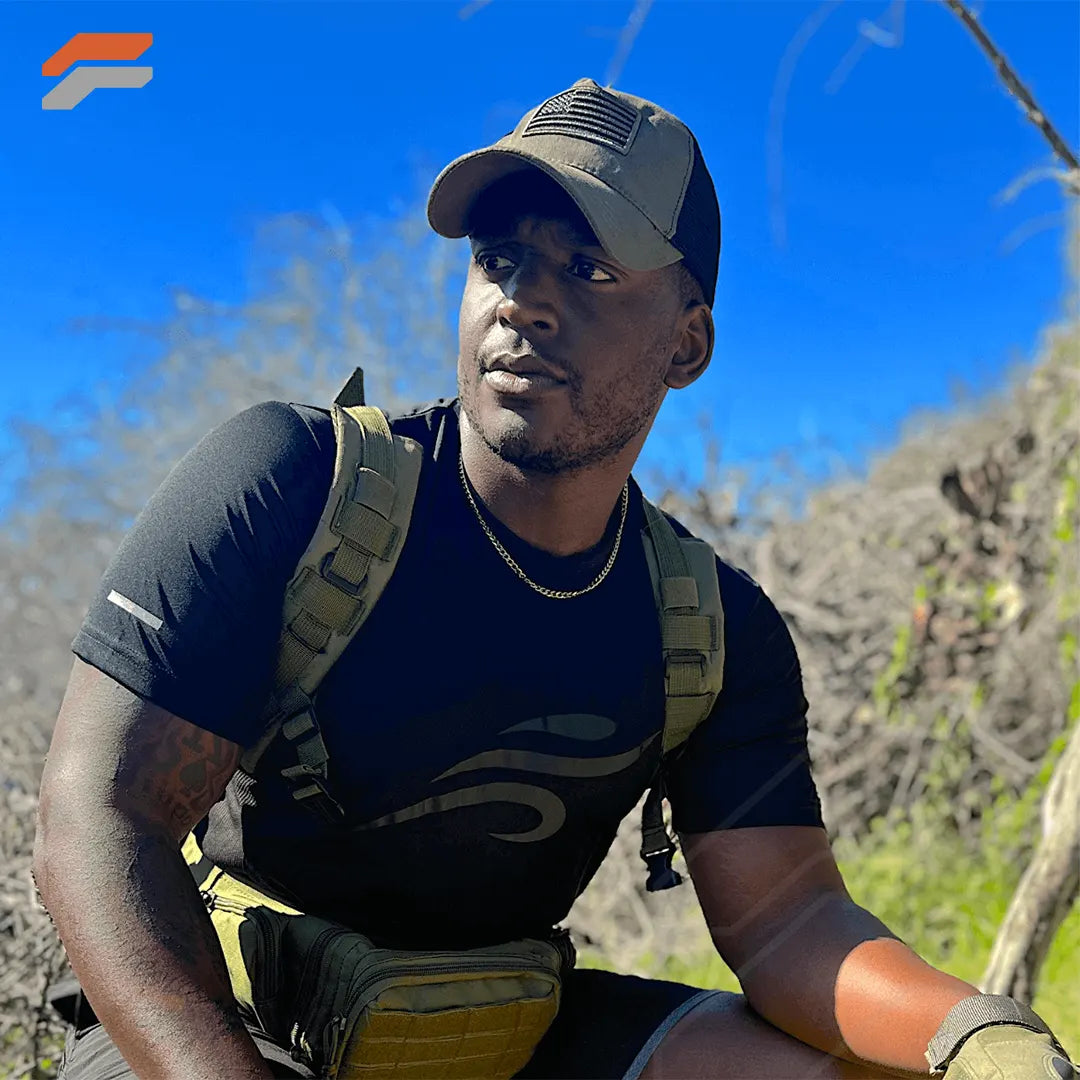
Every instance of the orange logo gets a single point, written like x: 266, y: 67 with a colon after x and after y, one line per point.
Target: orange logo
x: 67, y: 93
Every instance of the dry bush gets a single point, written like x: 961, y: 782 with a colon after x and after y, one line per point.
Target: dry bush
x: 326, y: 301
x: 936, y: 611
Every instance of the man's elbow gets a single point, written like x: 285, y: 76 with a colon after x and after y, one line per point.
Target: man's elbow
x: 65, y: 826
x: 49, y: 850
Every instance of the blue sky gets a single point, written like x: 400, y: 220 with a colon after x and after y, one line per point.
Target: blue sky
x: 894, y: 284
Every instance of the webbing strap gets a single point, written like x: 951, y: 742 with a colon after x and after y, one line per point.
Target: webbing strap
x: 337, y: 581
x: 694, y: 633
x: 678, y: 592
x: 329, y: 604
x: 347, y: 567
x: 366, y: 528
x: 378, y: 443
x: 692, y: 640
x: 657, y: 847
x: 310, y: 631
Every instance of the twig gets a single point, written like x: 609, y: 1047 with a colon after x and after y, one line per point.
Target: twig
x: 626, y: 41
x: 1032, y: 176
x: 775, y: 150
x: 870, y: 33
x: 1029, y: 229
x: 472, y: 8
x: 1015, y: 86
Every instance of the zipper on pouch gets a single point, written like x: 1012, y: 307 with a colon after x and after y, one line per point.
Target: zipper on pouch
x: 454, y: 965
x: 310, y: 994
x: 214, y: 902
x: 263, y: 927
x: 509, y: 964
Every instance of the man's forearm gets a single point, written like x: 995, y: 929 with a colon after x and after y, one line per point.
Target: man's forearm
x: 144, y: 950
x: 841, y: 981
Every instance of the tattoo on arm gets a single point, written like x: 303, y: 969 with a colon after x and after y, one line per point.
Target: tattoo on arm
x: 173, y: 772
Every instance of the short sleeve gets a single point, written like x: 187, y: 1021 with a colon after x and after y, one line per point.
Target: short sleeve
x: 188, y: 613
x: 748, y: 763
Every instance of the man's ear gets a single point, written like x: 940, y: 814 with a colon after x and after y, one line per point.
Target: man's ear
x: 695, y: 346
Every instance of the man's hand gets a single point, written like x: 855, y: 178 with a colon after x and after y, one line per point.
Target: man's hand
x: 1012, y: 1052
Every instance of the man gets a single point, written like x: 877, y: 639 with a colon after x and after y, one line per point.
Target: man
x: 498, y: 714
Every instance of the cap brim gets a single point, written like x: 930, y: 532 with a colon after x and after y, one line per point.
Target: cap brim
x: 624, y: 231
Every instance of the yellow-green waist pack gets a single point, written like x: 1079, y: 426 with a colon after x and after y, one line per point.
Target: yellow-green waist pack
x: 351, y: 1010
x: 345, y: 1007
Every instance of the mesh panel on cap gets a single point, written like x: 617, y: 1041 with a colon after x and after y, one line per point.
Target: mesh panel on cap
x: 697, y: 234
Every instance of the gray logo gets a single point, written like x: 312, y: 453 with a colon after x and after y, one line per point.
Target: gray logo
x: 584, y: 727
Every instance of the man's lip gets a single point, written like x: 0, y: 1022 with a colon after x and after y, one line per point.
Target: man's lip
x: 524, y: 366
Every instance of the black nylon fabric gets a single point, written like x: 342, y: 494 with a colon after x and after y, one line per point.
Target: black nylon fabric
x: 485, y: 740
x: 697, y: 234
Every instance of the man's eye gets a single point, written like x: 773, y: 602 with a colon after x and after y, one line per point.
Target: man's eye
x: 491, y: 263
x: 590, y: 271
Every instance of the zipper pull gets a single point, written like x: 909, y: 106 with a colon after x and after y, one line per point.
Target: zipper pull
x: 336, y: 1030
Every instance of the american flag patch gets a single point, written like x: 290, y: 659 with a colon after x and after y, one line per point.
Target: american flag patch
x: 587, y: 112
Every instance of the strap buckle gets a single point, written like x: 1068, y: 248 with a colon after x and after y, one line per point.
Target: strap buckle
x: 336, y: 580
x: 661, y: 874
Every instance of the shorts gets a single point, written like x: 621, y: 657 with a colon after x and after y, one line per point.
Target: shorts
x: 607, y: 1028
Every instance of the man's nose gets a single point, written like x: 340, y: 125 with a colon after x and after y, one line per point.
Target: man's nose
x: 529, y: 299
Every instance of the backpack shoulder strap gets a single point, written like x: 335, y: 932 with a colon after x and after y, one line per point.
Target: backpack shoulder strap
x: 687, y: 592
x: 339, y: 578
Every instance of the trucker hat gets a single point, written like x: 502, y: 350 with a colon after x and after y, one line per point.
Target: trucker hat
x: 634, y: 170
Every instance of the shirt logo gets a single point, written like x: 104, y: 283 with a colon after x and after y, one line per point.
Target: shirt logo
x: 551, y: 808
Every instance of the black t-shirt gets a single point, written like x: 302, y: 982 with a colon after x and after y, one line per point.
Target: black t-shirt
x: 484, y: 740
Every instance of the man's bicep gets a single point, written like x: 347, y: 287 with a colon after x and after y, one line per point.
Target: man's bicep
x: 757, y: 885
x: 114, y: 749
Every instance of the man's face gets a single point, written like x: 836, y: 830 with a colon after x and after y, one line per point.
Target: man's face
x: 563, y: 352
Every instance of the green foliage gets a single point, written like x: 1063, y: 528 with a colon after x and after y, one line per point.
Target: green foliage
x: 940, y: 894
x: 1065, y: 520
x: 944, y: 905
x: 886, y: 691
x: 50, y: 1047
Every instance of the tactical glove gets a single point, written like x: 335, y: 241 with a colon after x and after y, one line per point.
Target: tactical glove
x: 1010, y: 1052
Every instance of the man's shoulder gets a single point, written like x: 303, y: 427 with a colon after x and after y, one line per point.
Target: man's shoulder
x: 737, y: 588
x: 427, y: 423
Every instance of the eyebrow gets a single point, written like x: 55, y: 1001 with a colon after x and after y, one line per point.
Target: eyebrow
x: 578, y: 237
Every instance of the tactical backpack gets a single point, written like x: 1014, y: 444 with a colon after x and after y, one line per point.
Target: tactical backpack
x: 352, y: 556
x: 344, y: 1006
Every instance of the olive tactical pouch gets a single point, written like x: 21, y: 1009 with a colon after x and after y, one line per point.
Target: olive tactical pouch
x: 348, y: 1009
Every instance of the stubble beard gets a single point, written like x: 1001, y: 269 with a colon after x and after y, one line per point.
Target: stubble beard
x: 599, y: 429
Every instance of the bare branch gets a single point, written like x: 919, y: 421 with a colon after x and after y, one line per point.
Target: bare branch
x: 777, y: 106
x: 870, y: 34
x: 1029, y: 229
x: 1048, y: 889
x: 472, y: 8
x: 626, y: 41
x: 1033, y: 176
x: 1014, y: 85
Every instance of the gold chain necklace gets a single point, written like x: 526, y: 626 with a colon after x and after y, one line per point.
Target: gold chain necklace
x: 554, y: 594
